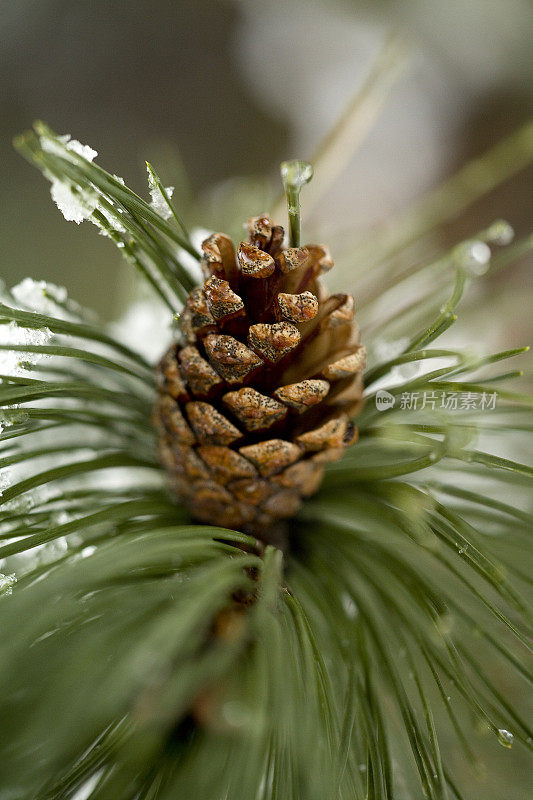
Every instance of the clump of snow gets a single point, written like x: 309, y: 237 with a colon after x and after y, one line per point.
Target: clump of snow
x: 14, y: 334
x: 6, y: 584
x: 40, y: 296
x: 82, y: 149
x: 12, y: 415
x: 148, y: 324
x: 47, y: 298
x: 74, y: 205
x: 159, y: 204
x: 59, y: 144
x: 112, y: 221
x: 386, y: 349
x: 46, y: 553
x: 5, y: 480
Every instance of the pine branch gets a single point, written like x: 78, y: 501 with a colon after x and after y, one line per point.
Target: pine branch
x: 181, y: 660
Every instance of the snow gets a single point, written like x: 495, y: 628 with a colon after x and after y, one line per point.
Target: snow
x: 5, y: 480
x: 82, y: 149
x: 75, y: 206
x: 113, y: 222
x: 47, y: 298
x: 147, y: 326
x: 6, y: 584
x: 159, y: 204
x: 13, y: 334
x: 59, y: 144
x: 40, y: 296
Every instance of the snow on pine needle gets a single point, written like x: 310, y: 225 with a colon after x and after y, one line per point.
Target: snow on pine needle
x: 181, y: 660
x: 74, y: 400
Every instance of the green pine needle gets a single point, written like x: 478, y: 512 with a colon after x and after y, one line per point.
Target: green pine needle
x: 143, y: 657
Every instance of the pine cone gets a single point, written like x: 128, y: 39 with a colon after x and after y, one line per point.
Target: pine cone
x: 256, y: 396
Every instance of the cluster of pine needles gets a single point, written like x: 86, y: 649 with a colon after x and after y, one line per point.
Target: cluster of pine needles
x: 143, y: 657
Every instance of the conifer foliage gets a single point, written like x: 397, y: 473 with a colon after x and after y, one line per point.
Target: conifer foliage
x: 146, y: 655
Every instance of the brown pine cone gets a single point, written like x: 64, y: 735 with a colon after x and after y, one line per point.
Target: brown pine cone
x: 258, y: 393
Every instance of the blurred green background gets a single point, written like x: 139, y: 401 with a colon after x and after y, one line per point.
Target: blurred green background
x: 215, y: 94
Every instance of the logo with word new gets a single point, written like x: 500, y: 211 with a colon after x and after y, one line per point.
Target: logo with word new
x: 384, y: 400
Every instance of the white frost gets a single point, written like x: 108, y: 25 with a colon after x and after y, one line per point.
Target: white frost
x: 159, y: 204
x: 40, y: 296
x: 13, y: 334
x: 58, y: 145
x: 147, y: 325
x: 75, y: 206
x: 47, y: 298
x: 6, y: 584
x: 112, y: 221
x: 5, y: 480
x: 82, y: 149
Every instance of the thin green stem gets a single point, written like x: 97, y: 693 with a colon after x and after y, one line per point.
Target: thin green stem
x: 295, y: 174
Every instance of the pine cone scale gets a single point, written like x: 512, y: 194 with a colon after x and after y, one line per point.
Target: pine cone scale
x: 256, y: 395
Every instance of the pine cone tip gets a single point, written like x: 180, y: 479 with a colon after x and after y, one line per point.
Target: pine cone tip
x: 257, y: 393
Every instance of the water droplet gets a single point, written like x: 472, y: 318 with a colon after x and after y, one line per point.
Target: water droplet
x: 296, y: 173
x: 350, y: 609
x: 407, y: 371
x: 473, y: 256
x: 500, y: 232
x: 236, y: 714
x: 444, y: 622
x: 505, y: 738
